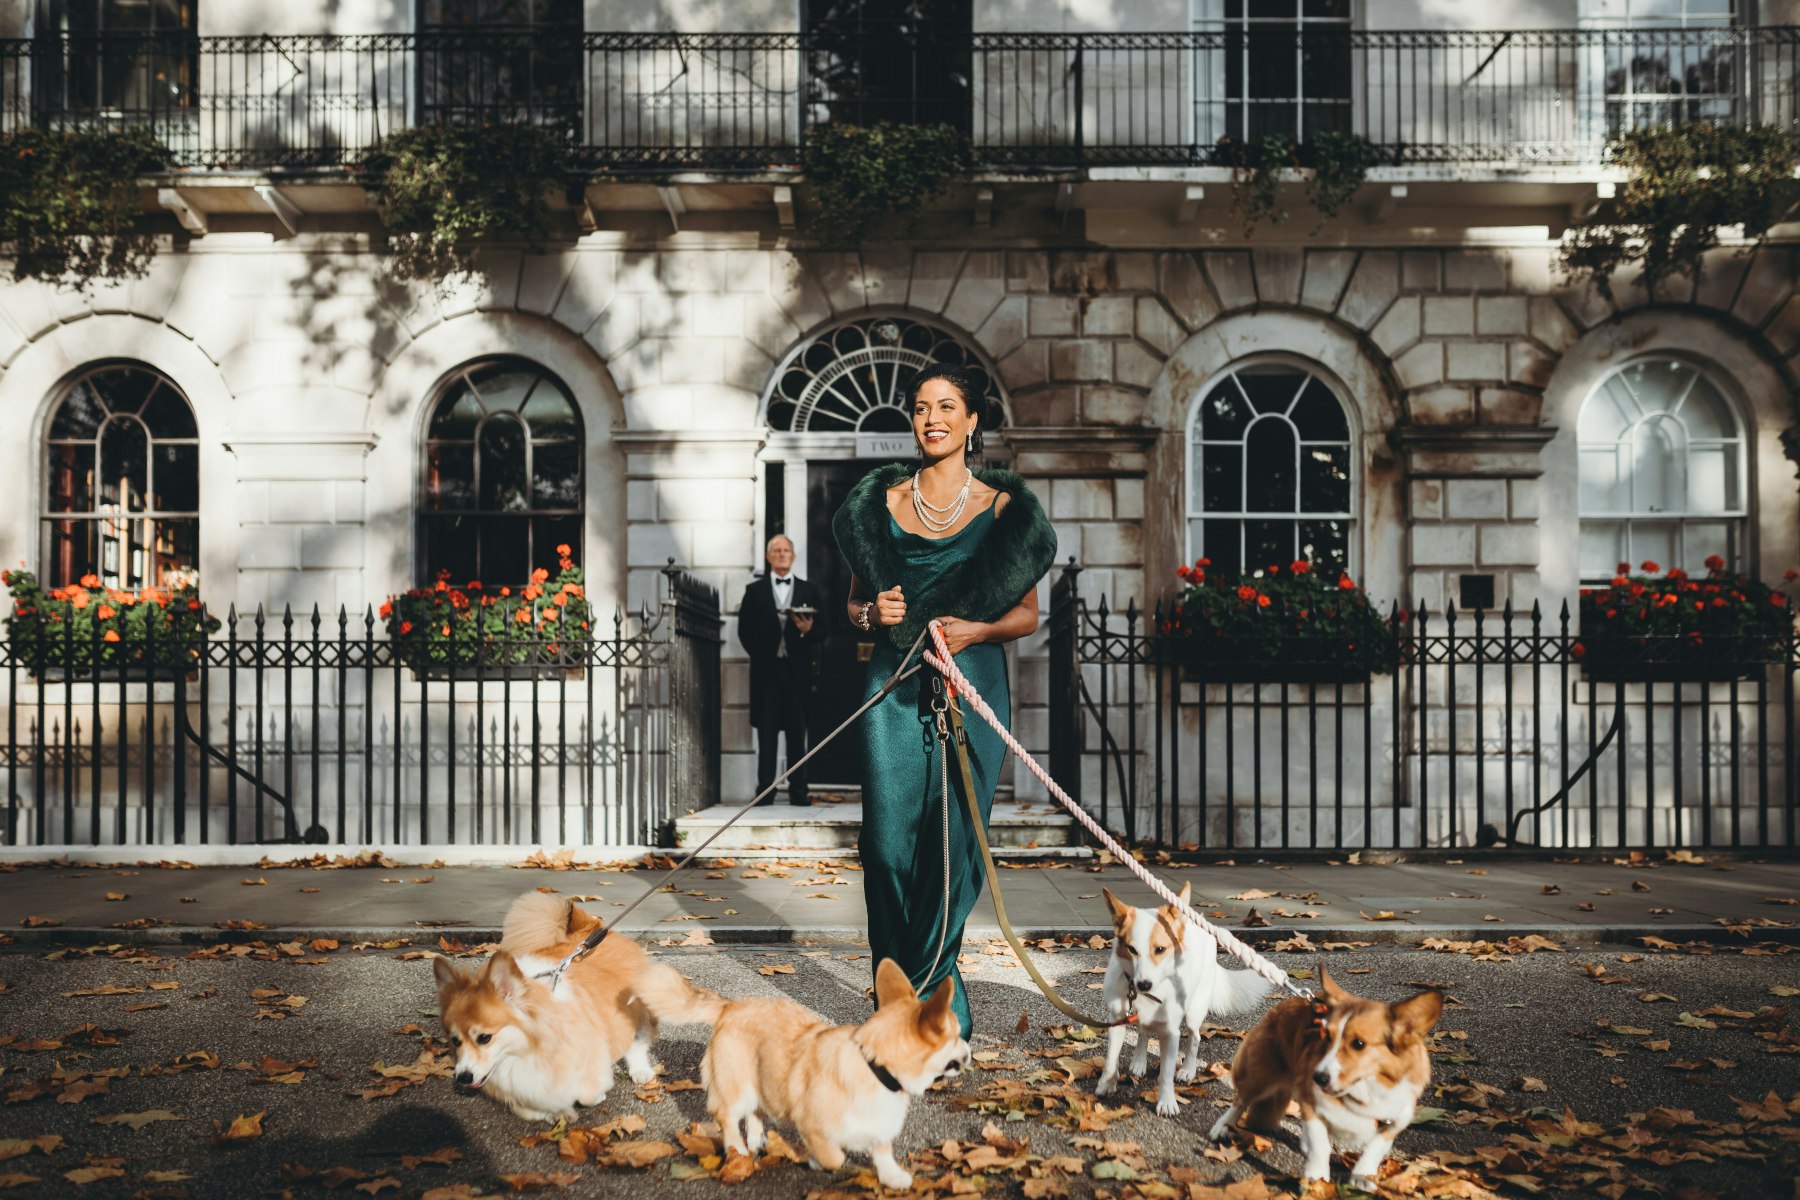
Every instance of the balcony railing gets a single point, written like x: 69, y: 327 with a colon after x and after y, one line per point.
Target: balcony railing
x: 745, y: 101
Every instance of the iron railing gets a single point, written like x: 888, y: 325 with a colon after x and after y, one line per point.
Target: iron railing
x: 1496, y: 729
x: 1029, y: 101
x: 309, y: 728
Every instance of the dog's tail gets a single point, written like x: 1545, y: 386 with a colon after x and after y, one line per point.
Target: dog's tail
x: 1236, y: 992
x: 670, y: 996
x: 536, y: 923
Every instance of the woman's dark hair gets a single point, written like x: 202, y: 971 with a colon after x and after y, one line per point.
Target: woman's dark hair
x: 970, y: 382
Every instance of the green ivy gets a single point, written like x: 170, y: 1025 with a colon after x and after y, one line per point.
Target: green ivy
x: 864, y: 176
x: 1339, y: 163
x: 69, y: 204
x: 1684, y: 185
x: 444, y: 189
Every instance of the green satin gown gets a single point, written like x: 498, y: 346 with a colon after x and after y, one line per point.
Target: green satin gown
x: 902, y: 842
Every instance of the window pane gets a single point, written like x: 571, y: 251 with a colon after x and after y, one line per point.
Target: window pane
x: 505, y: 550
x: 547, y: 533
x: 168, y: 415
x: 1221, y: 540
x: 1268, y: 544
x: 80, y: 415
x: 123, y: 389
x: 1223, y: 414
x: 1269, y: 467
x: 176, y: 479
x: 1319, y: 417
x: 1197, y: 539
x: 550, y: 415
x: 556, y: 475
x: 450, y: 476
x: 458, y: 413
x: 124, y: 463
x: 1324, y: 479
x: 1601, y: 488
x: 1706, y: 414
x: 1657, y: 384
x: 505, y: 390
x: 1271, y: 389
x: 451, y: 546
x: 502, y: 467
x: 1326, y: 543
x: 1702, y: 539
x: 1602, y: 549
x: 71, y: 478
x: 1654, y: 541
x: 1655, y: 471
x: 175, y: 547
x: 1222, y: 479
x: 1712, y: 479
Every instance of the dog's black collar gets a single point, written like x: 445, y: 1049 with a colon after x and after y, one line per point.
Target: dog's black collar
x: 884, y: 1075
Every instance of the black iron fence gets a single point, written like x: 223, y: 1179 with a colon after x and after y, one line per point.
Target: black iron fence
x: 744, y: 101
x: 1496, y: 729
x: 308, y: 728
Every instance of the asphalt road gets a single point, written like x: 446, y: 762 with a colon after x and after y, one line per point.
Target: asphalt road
x: 1596, y: 1048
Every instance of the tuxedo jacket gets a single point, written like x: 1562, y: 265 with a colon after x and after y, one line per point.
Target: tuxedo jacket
x: 777, y: 684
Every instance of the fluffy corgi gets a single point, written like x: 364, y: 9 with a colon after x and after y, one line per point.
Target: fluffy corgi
x: 1168, y: 969
x: 842, y: 1087
x: 1357, y: 1067
x: 540, y: 1052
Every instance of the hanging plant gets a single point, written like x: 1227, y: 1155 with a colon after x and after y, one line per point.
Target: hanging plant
x: 444, y: 189
x: 1338, y: 163
x: 864, y: 176
x: 70, y: 203
x: 1684, y: 185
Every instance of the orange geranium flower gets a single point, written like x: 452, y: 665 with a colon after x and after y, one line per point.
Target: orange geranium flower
x: 539, y: 575
x: 90, y: 581
x: 563, y: 550
x: 112, y: 635
x: 105, y: 612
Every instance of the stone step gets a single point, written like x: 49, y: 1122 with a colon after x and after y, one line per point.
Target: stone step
x: 779, y: 830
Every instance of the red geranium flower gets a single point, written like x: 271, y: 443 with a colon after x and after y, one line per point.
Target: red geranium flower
x: 1300, y: 566
x: 1346, y: 584
x: 1714, y: 563
x: 1245, y: 592
x: 1651, y: 567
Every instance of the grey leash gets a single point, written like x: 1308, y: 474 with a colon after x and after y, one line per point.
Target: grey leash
x: 901, y: 673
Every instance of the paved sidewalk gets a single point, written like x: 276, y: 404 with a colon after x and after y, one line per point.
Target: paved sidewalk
x: 809, y: 898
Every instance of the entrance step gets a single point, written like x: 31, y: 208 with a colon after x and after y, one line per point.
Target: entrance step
x: 781, y: 830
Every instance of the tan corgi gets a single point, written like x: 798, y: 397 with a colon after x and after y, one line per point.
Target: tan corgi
x: 1356, y: 1066
x: 542, y: 1052
x: 842, y: 1087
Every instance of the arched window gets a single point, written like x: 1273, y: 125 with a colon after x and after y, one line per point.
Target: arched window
x: 1271, y: 477
x: 1662, y: 471
x: 503, y: 475
x: 122, y: 481
x: 852, y: 378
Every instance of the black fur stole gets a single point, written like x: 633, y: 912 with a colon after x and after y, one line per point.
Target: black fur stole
x: 1016, y: 554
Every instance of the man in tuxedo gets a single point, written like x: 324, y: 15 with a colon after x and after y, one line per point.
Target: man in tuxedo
x: 782, y: 645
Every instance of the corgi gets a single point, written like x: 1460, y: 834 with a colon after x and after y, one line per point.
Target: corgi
x: 542, y: 1052
x: 1356, y: 1066
x: 1167, y: 969
x: 842, y: 1087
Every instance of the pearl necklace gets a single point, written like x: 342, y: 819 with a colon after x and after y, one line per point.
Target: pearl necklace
x: 925, y: 508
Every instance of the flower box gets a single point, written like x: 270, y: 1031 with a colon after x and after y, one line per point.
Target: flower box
x: 536, y: 632
x: 1277, y: 625
x: 1675, y: 628
x: 88, y: 632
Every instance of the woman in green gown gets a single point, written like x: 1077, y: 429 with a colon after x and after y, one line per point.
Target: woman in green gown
x: 968, y: 549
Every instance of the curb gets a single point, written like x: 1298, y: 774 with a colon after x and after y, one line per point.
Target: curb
x: 1389, y: 934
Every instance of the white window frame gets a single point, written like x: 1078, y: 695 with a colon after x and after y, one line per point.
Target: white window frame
x: 1195, y: 497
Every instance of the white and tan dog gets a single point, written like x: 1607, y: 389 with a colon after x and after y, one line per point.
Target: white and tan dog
x: 1356, y: 1066
x: 1167, y: 969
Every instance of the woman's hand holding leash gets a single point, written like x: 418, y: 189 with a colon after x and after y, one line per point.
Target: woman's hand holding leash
x: 959, y: 634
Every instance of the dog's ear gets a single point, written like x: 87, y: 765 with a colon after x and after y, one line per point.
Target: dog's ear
x: 1121, y: 911
x: 1187, y: 892
x: 891, y: 984
x: 1415, y: 1016
x: 937, y: 1018
x: 503, y: 973
x: 446, y: 974
x: 1329, y: 986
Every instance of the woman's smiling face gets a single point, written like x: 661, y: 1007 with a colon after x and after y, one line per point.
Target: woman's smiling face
x: 941, y: 419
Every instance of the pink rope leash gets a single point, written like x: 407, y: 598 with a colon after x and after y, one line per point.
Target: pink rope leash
x: 960, y: 685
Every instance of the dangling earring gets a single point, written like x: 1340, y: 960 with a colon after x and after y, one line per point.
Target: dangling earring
x: 969, y: 442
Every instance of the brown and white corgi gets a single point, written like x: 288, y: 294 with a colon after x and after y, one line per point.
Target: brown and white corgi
x: 543, y: 1051
x: 1167, y: 969
x: 1356, y: 1066
x: 841, y: 1087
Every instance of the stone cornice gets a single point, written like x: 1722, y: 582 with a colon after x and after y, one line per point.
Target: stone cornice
x: 1472, y: 451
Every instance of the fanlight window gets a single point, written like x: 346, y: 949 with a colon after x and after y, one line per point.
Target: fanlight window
x: 1662, y: 471
x: 853, y: 377
x: 122, y: 481
x: 1271, y: 475
x: 503, y: 475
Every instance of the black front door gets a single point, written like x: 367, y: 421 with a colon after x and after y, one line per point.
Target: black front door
x: 844, y: 660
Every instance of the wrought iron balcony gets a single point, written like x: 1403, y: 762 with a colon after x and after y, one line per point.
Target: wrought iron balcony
x: 744, y: 101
